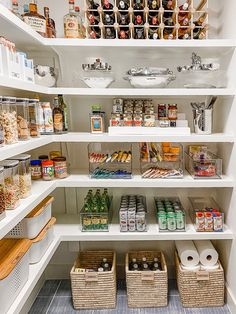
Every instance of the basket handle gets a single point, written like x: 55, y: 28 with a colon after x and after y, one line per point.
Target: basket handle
x: 203, y: 276
x: 147, y: 276
x: 89, y: 277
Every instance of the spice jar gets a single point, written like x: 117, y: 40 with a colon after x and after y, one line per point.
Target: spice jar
x: 2, y: 191
x: 22, y: 119
x: 172, y: 112
x: 11, y: 181
x: 36, y: 169
x: 8, y: 120
x: 35, y: 117
x: 24, y: 174
x: 47, y: 170
x: 60, y: 167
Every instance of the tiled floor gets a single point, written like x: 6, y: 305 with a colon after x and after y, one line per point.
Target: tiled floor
x: 55, y: 298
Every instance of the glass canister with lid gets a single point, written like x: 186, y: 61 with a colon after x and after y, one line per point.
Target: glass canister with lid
x: 8, y: 120
x: 2, y: 192
x: 36, y: 120
x: 22, y: 119
x: 11, y: 181
x: 24, y: 174
x: 1, y: 126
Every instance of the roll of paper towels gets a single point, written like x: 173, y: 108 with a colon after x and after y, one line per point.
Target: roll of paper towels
x: 191, y: 268
x: 207, y: 253
x: 188, y: 253
x: 209, y: 268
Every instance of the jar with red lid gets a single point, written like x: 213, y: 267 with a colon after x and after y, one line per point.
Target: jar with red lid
x: 172, y: 112
x: 60, y: 167
x: 47, y: 170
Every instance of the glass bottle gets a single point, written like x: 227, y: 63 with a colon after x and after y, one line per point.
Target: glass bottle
x: 138, y: 5
x: 153, y: 4
x: 145, y: 265
x: 82, y: 29
x: 123, y: 5
x: 107, y: 5
x: 93, y: 5
x: 168, y: 4
x: 57, y: 117
x: 110, y: 33
x: 71, y: 22
x: 15, y: 9
x: 109, y: 18
x: 35, y: 20
x: 50, y: 24
x: 64, y: 109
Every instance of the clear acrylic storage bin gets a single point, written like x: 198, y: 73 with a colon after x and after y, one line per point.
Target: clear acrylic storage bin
x: 207, y: 167
x: 161, y: 160
x: 110, y: 160
x: 206, y: 214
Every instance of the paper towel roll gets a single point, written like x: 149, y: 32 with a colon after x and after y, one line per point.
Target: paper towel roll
x: 188, y: 253
x: 207, y: 253
x: 191, y: 268
x: 209, y: 268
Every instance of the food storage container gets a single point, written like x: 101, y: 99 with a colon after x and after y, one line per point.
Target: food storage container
x: 14, y: 270
x: 11, y: 180
x: 2, y: 194
x: 32, y: 224
x: 205, y: 166
x: 206, y: 214
x: 161, y: 160
x: 8, y: 120
x: 100, y: 285
x: 22, y: 119
x: 41, y: 243
x: 60, y: 167
x: 45, y: 75
x: 24, y: 174
x: 1, y: 126
x: 36, y: 120
x: 110, y: 160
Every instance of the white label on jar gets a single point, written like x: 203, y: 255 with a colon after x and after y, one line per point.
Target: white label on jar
x: 38, y: 24
x: 71, y: 28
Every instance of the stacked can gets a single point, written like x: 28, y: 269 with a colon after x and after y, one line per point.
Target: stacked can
x: 170, y: 214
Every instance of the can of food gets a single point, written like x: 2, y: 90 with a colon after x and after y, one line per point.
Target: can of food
x: 171, y: 221
x: 180, y: 221
x: 162, y: 221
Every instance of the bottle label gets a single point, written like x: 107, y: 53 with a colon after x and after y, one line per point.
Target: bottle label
x: 58, y: 122
x: 38, y: 24
x: 72, y: 28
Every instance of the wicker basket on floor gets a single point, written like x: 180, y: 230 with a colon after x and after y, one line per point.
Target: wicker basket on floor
x: 202, y: 288
x: 94, y: 290
x: 146, y: 288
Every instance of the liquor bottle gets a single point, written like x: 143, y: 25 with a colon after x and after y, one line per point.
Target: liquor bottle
x: 168, y: 4
x: 15, y: 9
x: 124, y: 19
x: 145, y: 265
x: 169, y: 33
x: 154, y: 33
x: 123, y: 5
x: 184, y: 33
x: 109, y: 18
x: 95, y: 32
x: 138, y: 5
x: 57, y: 117
x: 35, y: 20
x: 50, y: 24
x: 107, y: 5
x: 156, y: 264
x: 93, y: 19
x: 63, y: 107
x: 82, y: 30
x: 153, y: 4
x: 134, y: 265
x: 93, y: 5
x: 139, y: 33
x: 198, y: 25
x: 153, y: 19
x: 72, y: 23
x: 105, y: 265
x: 138, y: 18
x: 170, y: 20
x: 184, y: 15
x: 110, y: 33
x: 124, y: 33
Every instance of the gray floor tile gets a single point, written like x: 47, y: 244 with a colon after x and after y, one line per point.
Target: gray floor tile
x: 40, y: 305
x: 210, y: 310
x: 174, y: 307
x: 173, y: 290
x: 49, y: 288
x: 64, y: 289
x: 121, y: 287
x: 63, y: 305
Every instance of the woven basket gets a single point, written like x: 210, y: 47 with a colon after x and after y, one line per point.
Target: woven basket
x: 146, y: 288
x: 202, y: 288
x: 94, y: 290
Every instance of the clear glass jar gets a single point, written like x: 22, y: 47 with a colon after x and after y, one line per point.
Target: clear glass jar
x: 34, y: 117
x: 2, y: 191
x: 1, y: 126
x: 8, y: 120
x: 11, y: 180
x: 22, y: 119
x: 24, y: 174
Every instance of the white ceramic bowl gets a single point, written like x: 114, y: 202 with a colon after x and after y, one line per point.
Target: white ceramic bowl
x: 160, y: 81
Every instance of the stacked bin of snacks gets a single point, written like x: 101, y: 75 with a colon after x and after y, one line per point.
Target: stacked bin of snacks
x: 133, y: 212
x: 2, y: 140
x: 96, y: 213
x: 23, y: 119
x: 206, y: 214
x: 170, y: 214
x: 161, y: 160
x: 8, y: 120
x: 203, y: 164
x: 35, y: 118
x: 147, y: 284
x: 24, y: 174
x: 14, y: 270
x: 110, y: 161
x: 12, y: 183
x: 93, y: 280
x: 2, y: 194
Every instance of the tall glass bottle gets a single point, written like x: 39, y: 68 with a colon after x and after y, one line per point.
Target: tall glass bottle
x: 50, y: 24
x: 64, y: 109
x: 57, y: 117
x: 72, y: 22
x: 35, y: 20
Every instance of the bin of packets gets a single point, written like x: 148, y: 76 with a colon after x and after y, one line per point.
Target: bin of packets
x: 133, y: 211
x: 96, y: 213
x: 110, y: 160
x: 161, y: 160
x: 206, y: 214
x: 170, y: 214
x: 203, y: 164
